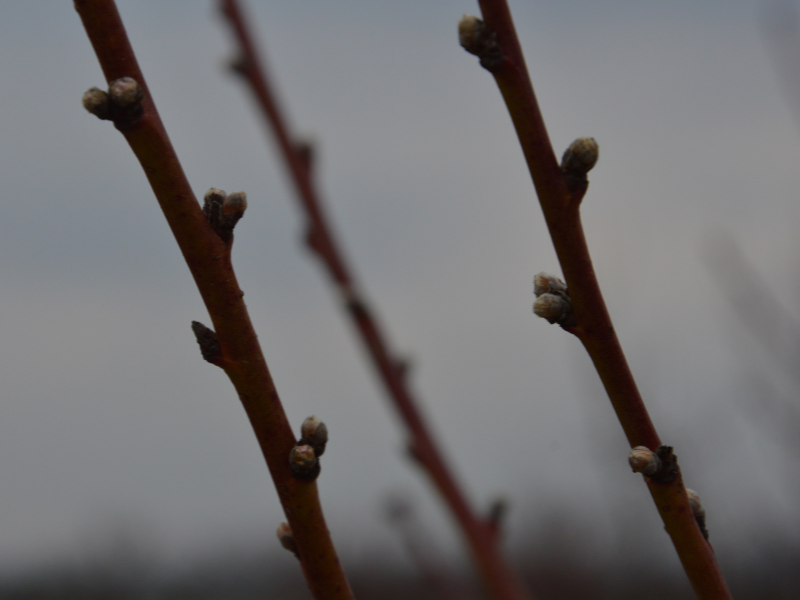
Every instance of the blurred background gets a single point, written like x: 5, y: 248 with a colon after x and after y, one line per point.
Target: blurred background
x: 127, y: 466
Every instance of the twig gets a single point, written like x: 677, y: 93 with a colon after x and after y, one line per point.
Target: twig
x: 560, y: 198
x: 480, y: 533
x: 754, y: 302
x: 208, y: 258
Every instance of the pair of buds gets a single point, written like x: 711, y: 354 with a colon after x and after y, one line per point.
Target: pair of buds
x: 223, y: 211
x: 122, y: 103
x: 552, y: 300
x: 658, y: 465
x: 304, y: 457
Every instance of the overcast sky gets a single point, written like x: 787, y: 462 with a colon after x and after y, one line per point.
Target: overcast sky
x: 110, y: 419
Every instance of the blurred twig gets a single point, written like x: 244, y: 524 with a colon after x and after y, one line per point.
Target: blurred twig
x: 780, y: 28
x: 560, y: 193
x: 207, y: 254
x: 402, y: 516
x: 480, y: 533
x: 767, y: 320
x: 754, y: 303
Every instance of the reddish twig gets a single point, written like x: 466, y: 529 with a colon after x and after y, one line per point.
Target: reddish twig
x: 560, y: 199
x: 236, y: 347
x: 481, y: 534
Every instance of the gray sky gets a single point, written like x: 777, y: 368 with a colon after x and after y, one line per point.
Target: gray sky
x: 109, y: 418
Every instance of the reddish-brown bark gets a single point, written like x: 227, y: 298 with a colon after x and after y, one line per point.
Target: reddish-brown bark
x: 208, y: 259
x: 593, y: 323
x: 481, y: 534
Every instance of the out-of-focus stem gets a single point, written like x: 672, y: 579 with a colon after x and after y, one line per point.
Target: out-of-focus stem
x: 481, y: 534
x: 209, y: 261
x: 593, y: 323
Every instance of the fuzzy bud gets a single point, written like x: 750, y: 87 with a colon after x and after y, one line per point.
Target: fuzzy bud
x: 476, y: 38
x: 554, y: 308
x: 303, y: 461
x: 286, y: 538
x: 212, y: 206
x: 302, y: 457
x: 698, y: 511
x: 314, y: 433
x: 694, y: 502
x: 548, y: 284
x: 468, y: 29
x: 643, y: 460
x: 97, y: 102
x: 223, y: 211
x: 214, y: 195
x: 125, y: 92
x: 235, y: 203
x: 580, y: 157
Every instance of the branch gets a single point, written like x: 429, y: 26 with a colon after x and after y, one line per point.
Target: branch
x: 560, y: 190
x: 481, y: 534
x: 208, y: 256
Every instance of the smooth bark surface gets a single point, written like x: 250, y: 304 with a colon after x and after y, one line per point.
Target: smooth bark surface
x: 208, y: 259
x: 593, y: 324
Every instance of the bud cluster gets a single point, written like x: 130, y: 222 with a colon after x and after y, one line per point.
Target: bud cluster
x: 224, y: 211
x: 304, y: 457
x: 122, y: 104
x: 552, y: 300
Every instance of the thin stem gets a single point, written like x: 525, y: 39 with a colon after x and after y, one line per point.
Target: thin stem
x: 481, y: 534
x: 208, y: 259
x: 593, y: 323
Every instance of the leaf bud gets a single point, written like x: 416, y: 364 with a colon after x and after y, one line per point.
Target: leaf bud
x: 698, y: 511
x: 286, y: 538
x: 478, y: 39
x: 314, y: 433
x: 97, y: 102
x: 303, y: 461
x: 694, y: 502
x: 643, y: 460
x: 235, y: 203
x: 548, y: 284
x: 580, y: 157
x: 212, y: 206
x: 125, y: 92
x: 214, y: 195
x: 468, y: 29
x: 554, y: 308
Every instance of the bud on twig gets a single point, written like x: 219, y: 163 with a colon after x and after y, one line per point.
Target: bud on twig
x: 97, y: 102
x: 224, y: 211
x: 476, y: 38
x: 581, y: 156
x: 122, y: 104
x: 643, y: 460
x: 233, y: 208
x: 553, y: 302
x: 238, y: 65
x: 315, y: 434
x: 286, y: 538
x: 125, y: 92
x: 548, y: 284
x: 304, y: 463
x: 698, y: 511
x: 578, y: 160
x: 208, y: 342
x: 498, y: 511
x: 552, y: 308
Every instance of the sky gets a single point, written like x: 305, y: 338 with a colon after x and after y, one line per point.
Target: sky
x: 110, y: 422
